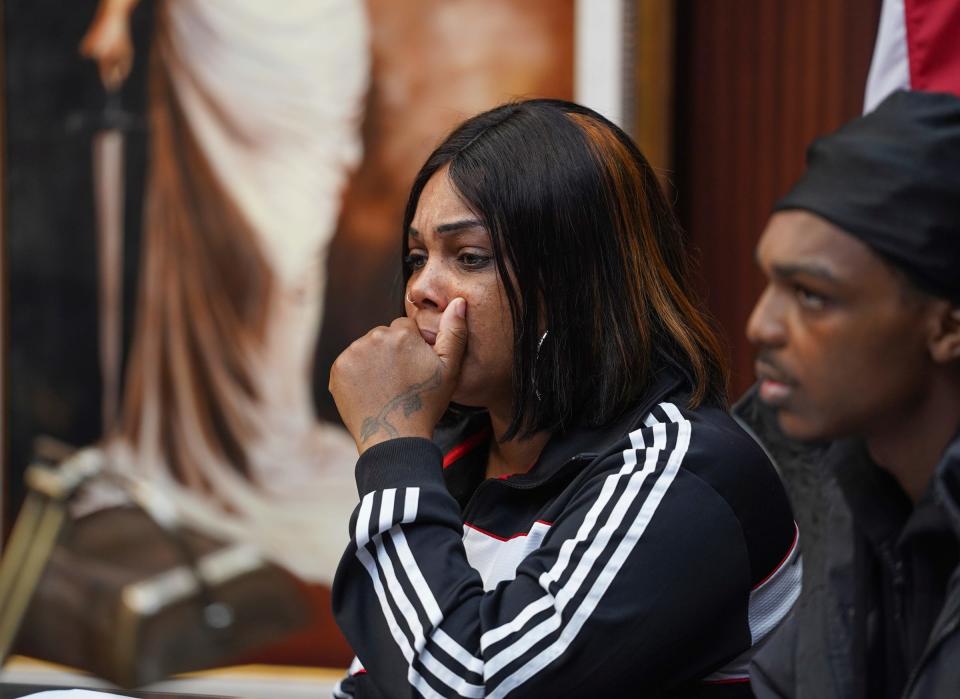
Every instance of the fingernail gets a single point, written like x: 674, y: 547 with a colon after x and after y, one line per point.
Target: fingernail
x: 461, y: 309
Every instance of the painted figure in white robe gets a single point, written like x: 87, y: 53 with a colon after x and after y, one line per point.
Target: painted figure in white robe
x: 254, y: 115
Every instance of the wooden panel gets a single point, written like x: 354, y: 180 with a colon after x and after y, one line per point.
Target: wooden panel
x: 649, y: 109
x: 757, y: 80
x: 4, y: 333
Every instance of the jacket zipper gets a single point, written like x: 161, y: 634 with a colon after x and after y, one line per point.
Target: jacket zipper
x: 894, y: 564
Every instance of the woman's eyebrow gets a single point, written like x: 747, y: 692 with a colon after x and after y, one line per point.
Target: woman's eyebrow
x: 460, y: 225
x: 444, y: 228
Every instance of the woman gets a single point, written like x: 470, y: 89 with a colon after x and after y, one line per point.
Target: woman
x: 588, y: 518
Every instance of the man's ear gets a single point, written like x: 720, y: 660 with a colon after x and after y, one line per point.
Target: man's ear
x: 945, y: 340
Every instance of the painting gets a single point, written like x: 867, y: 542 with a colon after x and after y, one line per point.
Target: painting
x: 202, y: 209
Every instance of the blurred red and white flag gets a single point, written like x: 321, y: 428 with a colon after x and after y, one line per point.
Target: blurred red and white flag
x: 918, y: 48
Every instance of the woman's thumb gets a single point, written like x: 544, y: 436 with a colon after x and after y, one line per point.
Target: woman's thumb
x: 452, y: 335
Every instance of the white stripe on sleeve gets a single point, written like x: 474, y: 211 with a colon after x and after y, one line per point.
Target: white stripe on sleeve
x: 613, y: 566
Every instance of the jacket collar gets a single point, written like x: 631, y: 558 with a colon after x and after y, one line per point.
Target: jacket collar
x: 879, y: 506
x: 586, y: 443
x: 856, y: 475
x: 464, y: 440
x: 947, y: 483
x: 760, y: 421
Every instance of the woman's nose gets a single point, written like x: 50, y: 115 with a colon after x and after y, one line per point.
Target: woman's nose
x: 427, y: 287
x: 765, y: 327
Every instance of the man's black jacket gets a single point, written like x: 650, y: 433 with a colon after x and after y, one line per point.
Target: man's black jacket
x: 863, y: 626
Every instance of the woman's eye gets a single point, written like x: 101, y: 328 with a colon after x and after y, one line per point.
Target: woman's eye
x: 473, y: 261
x: 415, y: 260
x: 810, y: 299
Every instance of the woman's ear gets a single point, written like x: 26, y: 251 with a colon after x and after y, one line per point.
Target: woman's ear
x: 945, y: 340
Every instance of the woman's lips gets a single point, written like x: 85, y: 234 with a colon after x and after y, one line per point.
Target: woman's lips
x: 429, y: 336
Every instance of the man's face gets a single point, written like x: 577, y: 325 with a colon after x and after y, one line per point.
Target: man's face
x: 841, y: 340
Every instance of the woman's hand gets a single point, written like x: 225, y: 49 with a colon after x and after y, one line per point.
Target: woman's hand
x: 108, y: 42
x: 391, y: 383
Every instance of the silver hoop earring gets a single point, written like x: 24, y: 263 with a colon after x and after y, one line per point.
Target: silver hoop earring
x: 536, y: 389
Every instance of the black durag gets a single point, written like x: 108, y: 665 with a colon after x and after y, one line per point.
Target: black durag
x: 891, y: 178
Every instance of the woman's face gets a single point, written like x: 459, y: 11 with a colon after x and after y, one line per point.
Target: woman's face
x: 450, y: 255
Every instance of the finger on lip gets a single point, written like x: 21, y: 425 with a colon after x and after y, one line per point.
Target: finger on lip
x: 429, y: 336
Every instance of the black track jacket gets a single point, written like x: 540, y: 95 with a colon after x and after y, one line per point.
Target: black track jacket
x: 646, y: 558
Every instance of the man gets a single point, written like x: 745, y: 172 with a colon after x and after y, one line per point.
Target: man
x: 858, y: 400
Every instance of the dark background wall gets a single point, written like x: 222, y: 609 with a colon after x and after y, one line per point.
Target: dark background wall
x: 757, y: 80
x: 53, y: 103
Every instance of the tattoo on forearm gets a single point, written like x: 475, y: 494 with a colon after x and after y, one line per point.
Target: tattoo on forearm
x: 409, y: 400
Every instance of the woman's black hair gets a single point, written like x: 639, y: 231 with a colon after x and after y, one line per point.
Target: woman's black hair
x: 588, y: 248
